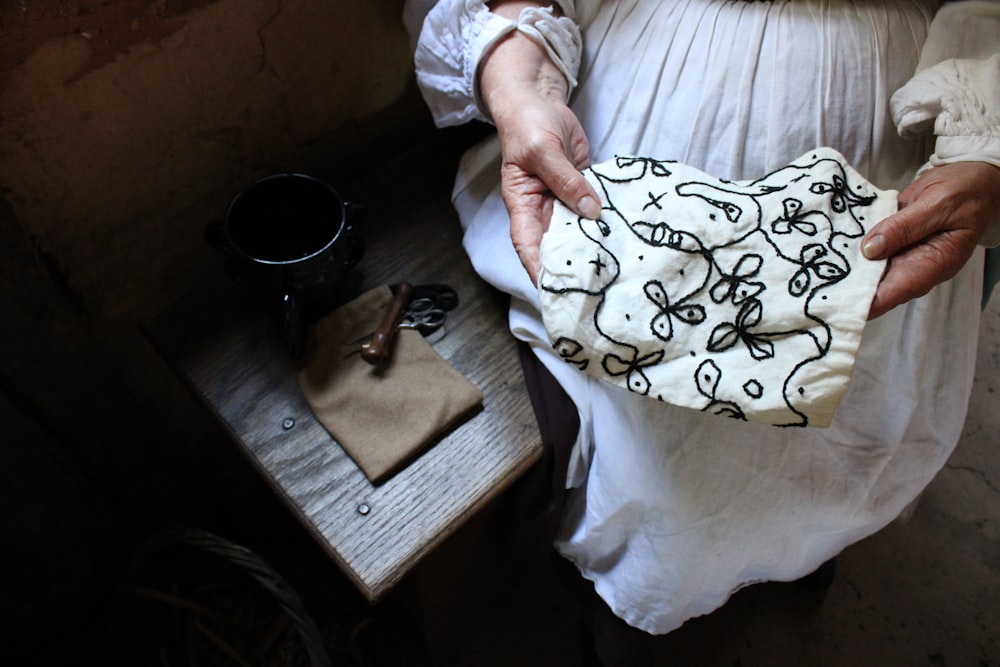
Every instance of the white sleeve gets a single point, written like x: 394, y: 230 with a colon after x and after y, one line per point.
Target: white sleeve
x: 956, y: 91
x: 456, y: 34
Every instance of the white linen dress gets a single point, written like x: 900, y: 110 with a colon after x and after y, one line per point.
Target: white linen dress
x: 671, y: 510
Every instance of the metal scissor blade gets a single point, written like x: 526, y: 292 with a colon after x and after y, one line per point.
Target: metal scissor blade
x: 443, y: 296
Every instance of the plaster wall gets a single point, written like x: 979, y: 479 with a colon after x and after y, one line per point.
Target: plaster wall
x: 125, y: 125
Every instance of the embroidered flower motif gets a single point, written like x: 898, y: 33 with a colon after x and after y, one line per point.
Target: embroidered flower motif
x: 661, y: 325
x: 727, y: 334
x: 736, y: 286
x: 815, y: 259
x: 842, y: 198
x: 636, y: 379
x: 795, y: 218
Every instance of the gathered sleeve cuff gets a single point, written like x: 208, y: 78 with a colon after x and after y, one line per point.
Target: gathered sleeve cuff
x: 457, y: 34
x: 956, y: 91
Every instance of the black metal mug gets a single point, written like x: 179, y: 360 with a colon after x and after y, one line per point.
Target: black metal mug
x: 291, y: 238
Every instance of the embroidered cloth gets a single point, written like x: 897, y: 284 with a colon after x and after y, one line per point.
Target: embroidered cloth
x: 745, y: 299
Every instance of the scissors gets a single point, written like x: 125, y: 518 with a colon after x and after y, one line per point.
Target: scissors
x: 442, y: 296
x: 423, y: 316
x: 423, y: 308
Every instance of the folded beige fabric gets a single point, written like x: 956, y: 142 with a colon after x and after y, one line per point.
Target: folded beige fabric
x: 385, y: 416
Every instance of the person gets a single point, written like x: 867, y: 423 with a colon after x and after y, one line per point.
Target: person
x: 669, y: 510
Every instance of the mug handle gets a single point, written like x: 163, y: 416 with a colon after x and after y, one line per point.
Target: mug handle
x: 354, y: 215
x: 290, y: 324
x: 216, y: 236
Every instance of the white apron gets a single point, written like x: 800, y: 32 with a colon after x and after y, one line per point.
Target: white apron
x: 671, y: 510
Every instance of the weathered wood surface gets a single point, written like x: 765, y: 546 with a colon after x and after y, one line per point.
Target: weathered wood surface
x: 223, y: 344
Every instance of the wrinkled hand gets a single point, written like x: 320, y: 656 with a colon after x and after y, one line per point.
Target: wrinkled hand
x: 942, y: 216
x: 542, y: 143
x: 544, y: 149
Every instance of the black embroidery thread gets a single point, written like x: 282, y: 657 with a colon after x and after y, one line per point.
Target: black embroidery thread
x: 709, y: 269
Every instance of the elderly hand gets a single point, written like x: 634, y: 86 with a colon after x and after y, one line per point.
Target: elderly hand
x: 942, y: 216
x: 542, y: 143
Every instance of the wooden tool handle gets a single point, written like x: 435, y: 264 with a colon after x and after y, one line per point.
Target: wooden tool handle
x: 376, y: 352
